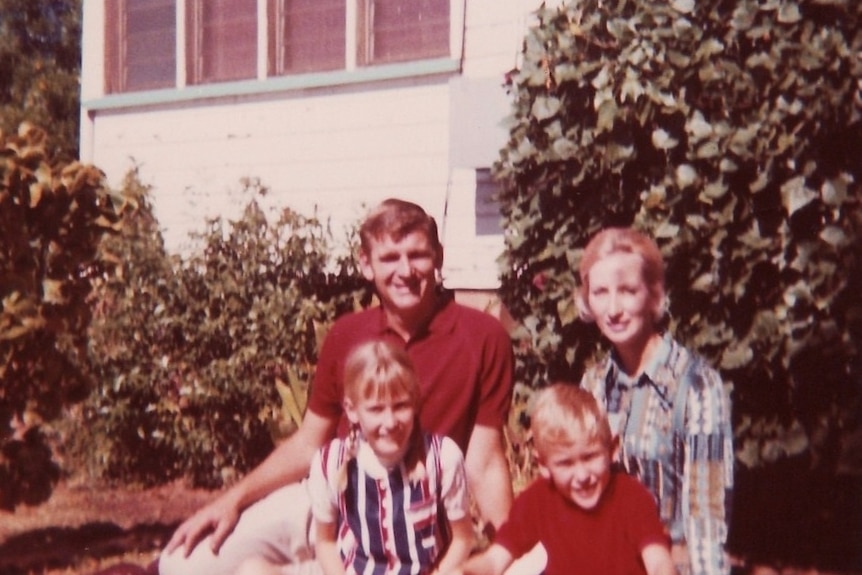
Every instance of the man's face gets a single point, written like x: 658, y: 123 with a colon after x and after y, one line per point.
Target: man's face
x: 402, y: 271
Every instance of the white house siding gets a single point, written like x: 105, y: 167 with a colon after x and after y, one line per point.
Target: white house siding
x: 336, y: 151
x: 339, y: 148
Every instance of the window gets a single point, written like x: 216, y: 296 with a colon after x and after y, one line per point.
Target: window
x: 140, y: 50
x: 399, y: 30
x: 471, y: 231
x: 218, y: 40
x: 487, y: 207
x: 309, y: 35
x: 221, y: 40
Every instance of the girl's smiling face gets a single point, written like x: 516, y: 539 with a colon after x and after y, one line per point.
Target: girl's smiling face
x: 386, y: 422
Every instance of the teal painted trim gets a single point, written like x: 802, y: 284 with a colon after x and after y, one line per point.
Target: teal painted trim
x: 273, y: 84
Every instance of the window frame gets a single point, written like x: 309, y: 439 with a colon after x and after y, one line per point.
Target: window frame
x: 366, y: 50
x: 486, y: 204
x: 277, y: 65
x: 200, y: 69
x: 267, y: 76
x: 116, y: 34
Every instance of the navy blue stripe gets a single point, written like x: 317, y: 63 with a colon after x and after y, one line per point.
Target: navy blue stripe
x: 354, y: 519
x: 376, y: 548
x: 399, y: 524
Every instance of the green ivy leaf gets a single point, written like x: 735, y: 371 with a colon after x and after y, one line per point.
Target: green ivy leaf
x: 662, y: 140
x: 789, y: 13
x: 683, y: 6
x: 795, y: 195
x: 835, y: 236
x: 545, y: 107
x: 607, y: 114
x: 686, y: 175
x: 736, y: 356
x: 833, y: 192
x: 567, y: 311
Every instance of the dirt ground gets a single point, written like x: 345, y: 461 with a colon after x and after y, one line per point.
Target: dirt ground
x: 84, y: 528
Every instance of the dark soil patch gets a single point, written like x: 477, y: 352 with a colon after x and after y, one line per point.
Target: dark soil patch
x: 60, y: 547
x: 84, y: 528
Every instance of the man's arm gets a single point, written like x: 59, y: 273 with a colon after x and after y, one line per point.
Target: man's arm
x: 488, y: 474
x: 287, y: 463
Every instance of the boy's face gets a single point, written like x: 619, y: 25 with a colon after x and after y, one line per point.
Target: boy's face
x: 403, y: 271
x: 579, y: 469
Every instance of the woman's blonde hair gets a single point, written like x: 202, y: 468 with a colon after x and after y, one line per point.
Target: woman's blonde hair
x: 612, y: 241
x: 379, y: 370
x: 561, y: 409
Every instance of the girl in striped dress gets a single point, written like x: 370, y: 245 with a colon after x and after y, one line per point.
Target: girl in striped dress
x: 388, y: 499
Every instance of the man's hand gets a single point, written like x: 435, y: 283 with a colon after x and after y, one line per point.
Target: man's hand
x: 287, y: 464
x: 219, y: 518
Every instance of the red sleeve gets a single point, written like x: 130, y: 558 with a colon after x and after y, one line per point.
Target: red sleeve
x: 515, y: 535
x: 326, y: 393
x: 496, y: 378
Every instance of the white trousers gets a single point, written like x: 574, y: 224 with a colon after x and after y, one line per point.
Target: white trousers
x: 274, y: 528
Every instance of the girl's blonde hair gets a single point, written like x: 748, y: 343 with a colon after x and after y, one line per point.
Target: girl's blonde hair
x: 379, y: 370
x: 561, y: 409
x: 612, y: 241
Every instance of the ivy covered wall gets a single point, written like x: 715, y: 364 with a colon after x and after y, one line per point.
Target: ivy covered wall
x: 731, y: 132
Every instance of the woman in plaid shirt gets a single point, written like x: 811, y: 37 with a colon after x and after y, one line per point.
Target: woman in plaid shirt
x: 668, y: 406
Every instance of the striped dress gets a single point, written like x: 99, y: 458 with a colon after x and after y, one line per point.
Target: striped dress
x: 388, y: 525
x: 676, y: 437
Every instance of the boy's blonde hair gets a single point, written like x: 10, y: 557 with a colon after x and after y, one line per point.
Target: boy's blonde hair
x: 378, y: 370
x: 561, y: 410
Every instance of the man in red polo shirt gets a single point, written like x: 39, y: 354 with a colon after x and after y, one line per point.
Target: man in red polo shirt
x: 464, y: 361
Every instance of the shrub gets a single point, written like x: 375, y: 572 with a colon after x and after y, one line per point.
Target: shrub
x: 730, y: 131
x: 52, y: 218
x: 202, y: 361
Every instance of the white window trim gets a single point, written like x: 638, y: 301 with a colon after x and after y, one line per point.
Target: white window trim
x: 470, y: 260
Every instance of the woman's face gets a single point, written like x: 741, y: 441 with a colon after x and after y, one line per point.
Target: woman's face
x: 621, y: 302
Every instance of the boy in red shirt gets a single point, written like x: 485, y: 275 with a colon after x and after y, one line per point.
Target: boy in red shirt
x: 589, y: 517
